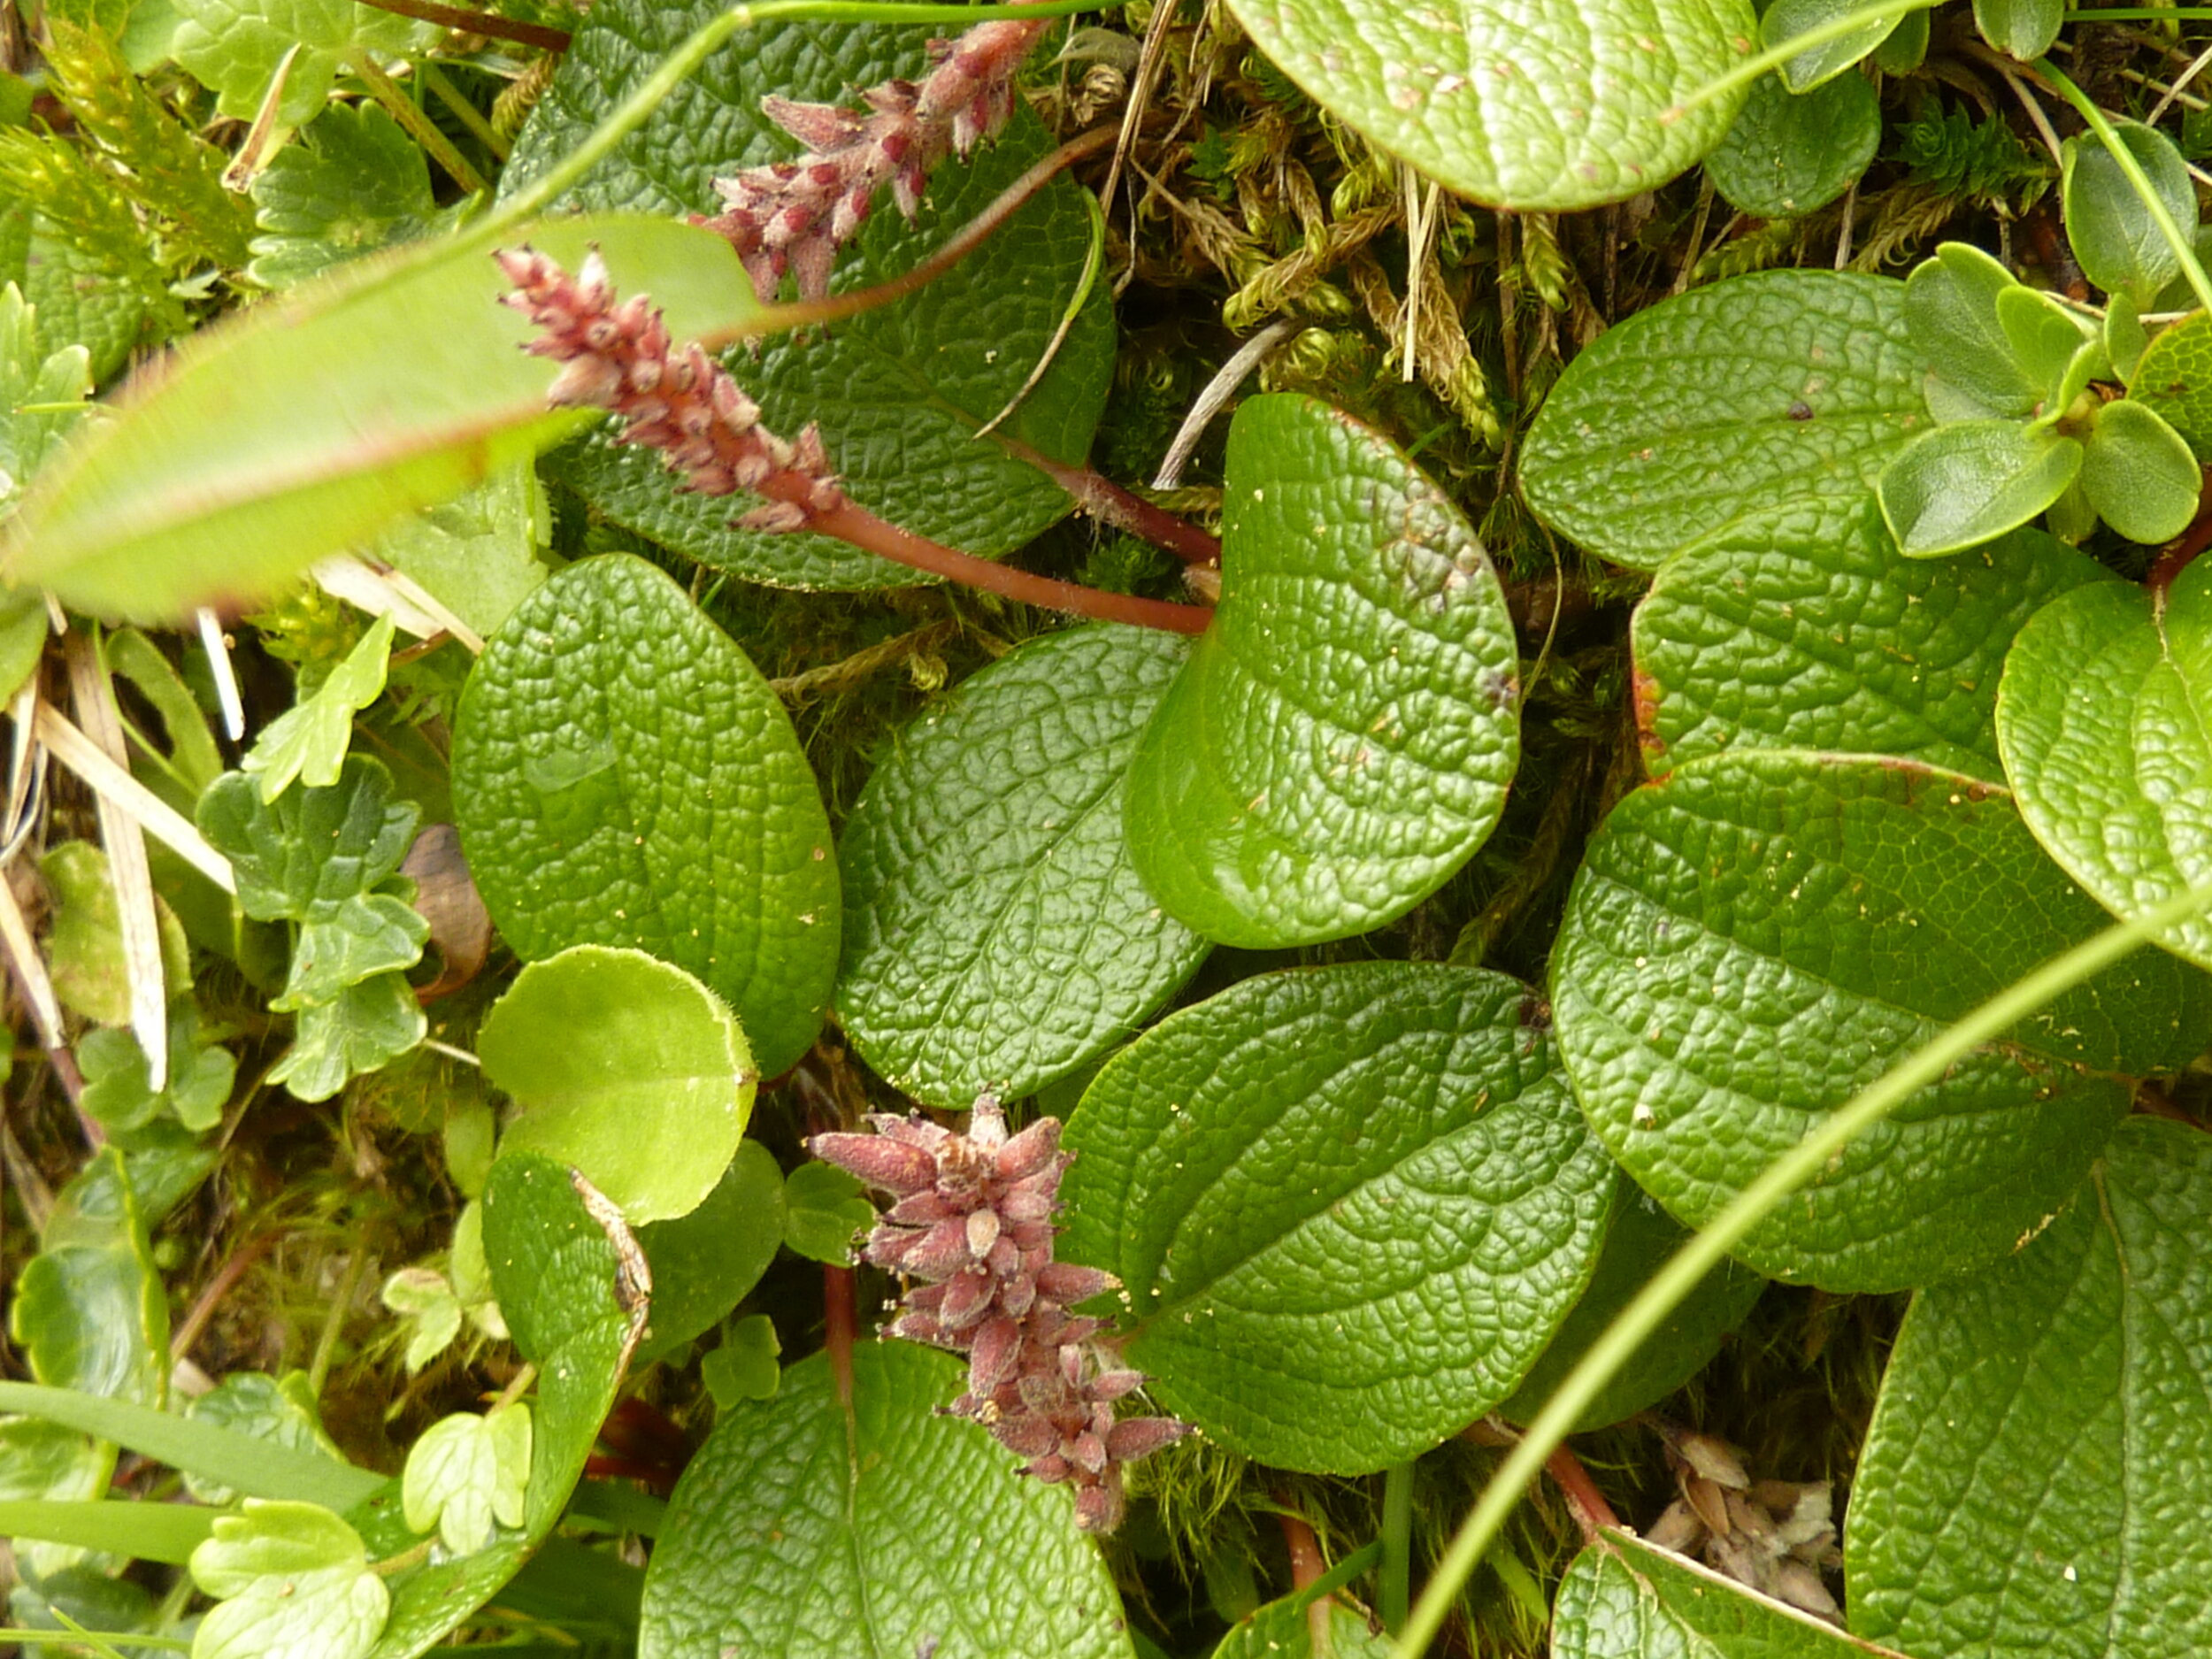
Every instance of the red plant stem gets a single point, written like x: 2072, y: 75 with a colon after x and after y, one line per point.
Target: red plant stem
x: 208, y: 1299
x: 1109, y: 503
x: 841, y: 1329
x: 478, y: 23
x: 2176, y: 558
x: 1586, y: 1503
x: 856, y: 525
x: 1306, y: 1568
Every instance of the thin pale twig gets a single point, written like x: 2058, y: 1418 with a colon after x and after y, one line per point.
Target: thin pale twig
x: 1210, y: 400
x: 110, y: 781
x: 217, y: 645
x: 137, y: 919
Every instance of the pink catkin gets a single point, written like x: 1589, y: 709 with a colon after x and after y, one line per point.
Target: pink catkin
x: 676, y: 399
x: 791, y: 216
x: 979, y: 1235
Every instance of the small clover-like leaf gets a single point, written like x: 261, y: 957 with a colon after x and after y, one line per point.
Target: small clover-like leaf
x: 117, y: 1080
x: 307, y: 740
x: 1969, y: 482
x: 307, y: 855
x: 996, y: 932
x: 1789, y: 153
x: 625, y: 1067
x: 236, y: 49
x: 359, y: 1030
x: 2139, y: 473
x: 745, y: 1366
x: 824, y: 1211
x: 1734, y: 399
x: 1560, y: 105
x: 30, y: 376
x: 424, y: 1298
x: 351, y: 182
x: 467, y: 1473
x: 291, y: 1578
x: 372, y: 933
x: 2112, y: 232
x: 1342, y: 737
x: 279, y: 1410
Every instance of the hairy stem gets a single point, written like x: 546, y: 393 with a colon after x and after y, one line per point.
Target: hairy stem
x: 1110, y: 503
x: 1587, y: 1504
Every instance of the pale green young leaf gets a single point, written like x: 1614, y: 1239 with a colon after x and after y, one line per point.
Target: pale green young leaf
x: 423, y: 1298
x: 478, y: 554
x: 363, y: 1028
x: 116, y: 1077
x: 468, y: 1473
x: 2126, y: 338
x: 351, y: 183
x: 30, y: 376
x: 705, y: 1263
x: 2140, y: 474
x: 2057, y: 349
x: 1969, y: 482
x: 1625, y: 1599
x: 89, y: 1312
x: 291, y: 1578
x: 308, y: 741
x: 745, y: 1366
x: 824, y: 1211
x: 1562, y: 104
x: 625, y: 1067
x: 233, y: 48
x: 2112, y: 232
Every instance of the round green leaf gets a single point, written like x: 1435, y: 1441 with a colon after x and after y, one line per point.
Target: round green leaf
x: 627, y: 1068
x: 1808, y: 629
x: 1790, y: 153
x: 1741, y: 397
x: 1349, y: 1206
x: 293, y: 1579
x: 2103, y: 718
x: 1965, y: 484
x: 1757, y: 937
x: 996, y: 934
x: 2042, y: 1449
x: 1625, y: 1599
x: 1341, y: 737
x: 1951, y: 313
x: 1640, y: 1240
x: 2173, y: 379
x: 622, y: 775
x: 2140, y: 475
x: 2023, y: 29
x: 2119, y: 245
x: 813, y: 1530
x: 705, y: 1263
x: 899, y: 392
x: 1552, y: 106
